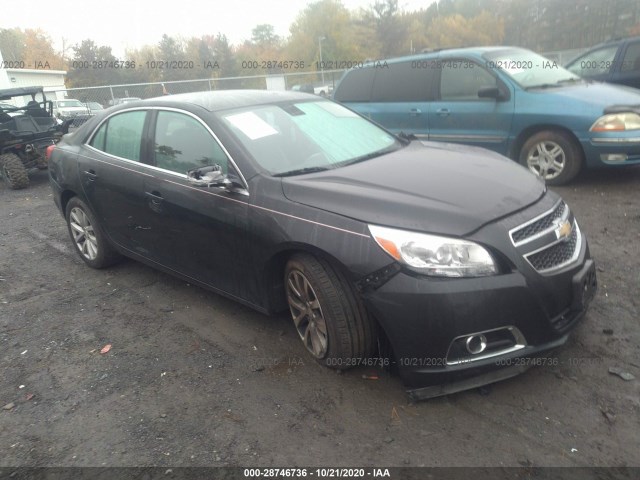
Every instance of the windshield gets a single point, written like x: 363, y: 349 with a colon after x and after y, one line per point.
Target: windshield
x: 296, y: 138
x: 528, y: 69
x: 70, y: 103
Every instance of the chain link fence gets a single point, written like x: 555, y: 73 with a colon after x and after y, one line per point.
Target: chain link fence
x: 321, y: 83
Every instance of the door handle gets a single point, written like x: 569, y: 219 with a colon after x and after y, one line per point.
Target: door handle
x: 443, y: 112
x: 414, y: 112
x: 90, y: 174
x: 156, y: 197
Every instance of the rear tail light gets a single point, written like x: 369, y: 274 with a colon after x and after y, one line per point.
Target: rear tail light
x: 48, y: 152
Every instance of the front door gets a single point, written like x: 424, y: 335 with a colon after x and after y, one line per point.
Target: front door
x: 459, y: 115
x: 198, y: 231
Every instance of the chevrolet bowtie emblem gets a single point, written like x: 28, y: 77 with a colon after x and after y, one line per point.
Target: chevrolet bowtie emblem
x: 563, y: 230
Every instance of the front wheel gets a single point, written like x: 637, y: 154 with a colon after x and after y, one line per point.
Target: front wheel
x: 328, y: 316
x: 87, y: 236
x: 552, y: 155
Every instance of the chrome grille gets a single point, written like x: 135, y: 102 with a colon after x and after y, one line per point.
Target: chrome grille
x: 538, y: 225
x: 546, y: 242
x: 556, y: 255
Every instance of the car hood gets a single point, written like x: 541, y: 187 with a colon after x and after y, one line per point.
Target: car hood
x: 72, y: 109
x: 426, y: 186
x: 602, y: 95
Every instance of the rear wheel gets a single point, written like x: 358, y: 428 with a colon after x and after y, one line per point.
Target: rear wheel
x: 13, y: 171
x: 552, y: 155
x: 87, y: 236
x: 329, y: 317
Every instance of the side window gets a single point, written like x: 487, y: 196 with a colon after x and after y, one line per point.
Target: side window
x: 461, y: 80
x: 182, y: 143
x: 594, y: 63
x: 355, y: 86
x: 121, y: 135
x: 408, y: 81
x: 98, y: 139
x: 631, y: 61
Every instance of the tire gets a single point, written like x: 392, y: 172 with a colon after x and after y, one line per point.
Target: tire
x: 327, y: 314
x: 13, y: 172
x: 88, y: 237
x: 552, y: 155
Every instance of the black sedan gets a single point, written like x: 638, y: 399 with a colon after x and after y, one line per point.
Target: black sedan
x: 454, y: 263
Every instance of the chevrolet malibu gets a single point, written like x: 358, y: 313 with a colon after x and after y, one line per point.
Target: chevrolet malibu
x: 456, y: 263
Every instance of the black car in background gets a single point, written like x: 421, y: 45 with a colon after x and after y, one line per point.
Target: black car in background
x: 617, y: 61
x: 458, y: 259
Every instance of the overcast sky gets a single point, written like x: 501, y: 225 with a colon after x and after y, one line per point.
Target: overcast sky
x: 131, y: 23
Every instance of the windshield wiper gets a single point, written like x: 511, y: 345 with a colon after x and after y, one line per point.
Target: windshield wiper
x: 556, y: 84
x: 301, y: 171
x: 570, y: 80
x: 371, y: 155
x: 543, y: 85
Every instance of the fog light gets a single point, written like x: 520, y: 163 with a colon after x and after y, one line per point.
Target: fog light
x: 614, y: 157
x: 476, y: 344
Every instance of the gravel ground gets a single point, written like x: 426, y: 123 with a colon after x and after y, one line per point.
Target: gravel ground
x: 194, y: 379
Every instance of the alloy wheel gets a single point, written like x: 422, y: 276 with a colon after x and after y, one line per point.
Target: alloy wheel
x: 546, y: 159
x: 307, y: 314
x: 83, y: 233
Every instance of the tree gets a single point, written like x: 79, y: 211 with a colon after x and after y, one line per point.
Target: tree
x: 172, y: 50
x: 225, y: 56
x: 33, y: 47
x: 92, y: 65
x: 264, y: 35
x: 327, y: 22
x: 456, y: 31
x: 12, y: 42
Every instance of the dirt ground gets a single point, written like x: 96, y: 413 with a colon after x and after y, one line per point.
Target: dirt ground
x: 194, y: 379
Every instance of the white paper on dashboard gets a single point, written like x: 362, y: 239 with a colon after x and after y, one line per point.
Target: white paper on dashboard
x: 251, y: 125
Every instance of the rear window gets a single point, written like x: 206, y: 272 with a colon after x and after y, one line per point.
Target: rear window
x: 355, y: 86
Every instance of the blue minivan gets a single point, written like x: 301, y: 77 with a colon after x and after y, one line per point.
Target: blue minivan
x: 506, y: 99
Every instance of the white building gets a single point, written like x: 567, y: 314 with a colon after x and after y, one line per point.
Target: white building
x: 51, y: 80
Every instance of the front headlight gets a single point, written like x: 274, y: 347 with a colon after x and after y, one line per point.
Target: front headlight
x: 435, y: 255
x: 617, y: 122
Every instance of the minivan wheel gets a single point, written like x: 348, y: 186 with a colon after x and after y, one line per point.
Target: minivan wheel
x: 328, y: 316
x: 87, y: 236
x: 553, y: 156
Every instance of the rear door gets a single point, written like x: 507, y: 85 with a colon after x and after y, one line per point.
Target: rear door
x: 459, y: 115
x: 112, y: 173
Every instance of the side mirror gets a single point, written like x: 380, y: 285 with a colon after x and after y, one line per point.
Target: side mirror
x: 210, y: 176
x: 490, y: 92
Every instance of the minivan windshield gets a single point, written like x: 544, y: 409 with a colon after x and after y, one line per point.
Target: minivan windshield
x: 303, y: 137
x: 530, y: 70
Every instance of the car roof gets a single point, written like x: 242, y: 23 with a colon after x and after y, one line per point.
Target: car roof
x: 614, y: 41
x: 227, y: 99
x: 466, y: 51
x: 18, y: 92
